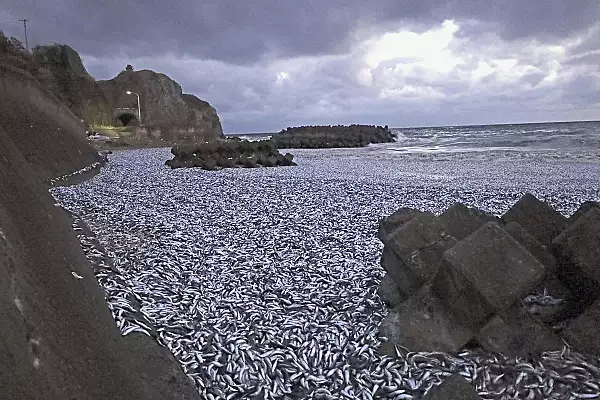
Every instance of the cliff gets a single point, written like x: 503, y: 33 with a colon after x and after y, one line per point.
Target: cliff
x: 58, y: 339
x: 164, y: 107
x: 167, y: 113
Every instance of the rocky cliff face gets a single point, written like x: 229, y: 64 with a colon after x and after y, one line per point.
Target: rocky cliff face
x: 167, y: 113
x: 164, y: 106
x: 46, y: 133
x: 58, y: 339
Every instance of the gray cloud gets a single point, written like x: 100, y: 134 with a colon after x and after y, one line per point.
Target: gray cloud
x: 231, y: 52
x: 246, y: 31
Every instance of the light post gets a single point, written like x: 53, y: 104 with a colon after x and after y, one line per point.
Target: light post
x: 139, y: 110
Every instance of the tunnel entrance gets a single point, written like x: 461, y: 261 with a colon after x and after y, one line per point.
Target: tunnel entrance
x: 126, y: 116
x: 128, y: 119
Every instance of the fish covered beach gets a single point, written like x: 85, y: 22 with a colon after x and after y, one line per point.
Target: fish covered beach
x: 263, y: 282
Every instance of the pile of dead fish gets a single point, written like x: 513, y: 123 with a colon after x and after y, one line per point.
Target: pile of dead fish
x: 263, y: 282
x: 60, y: 179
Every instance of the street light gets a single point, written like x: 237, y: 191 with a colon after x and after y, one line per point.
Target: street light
x: 139, y: 110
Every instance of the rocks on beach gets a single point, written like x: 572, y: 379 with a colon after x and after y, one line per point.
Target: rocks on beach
x: 229, y: 153
x: 488, y: 282
x: 318, y: 137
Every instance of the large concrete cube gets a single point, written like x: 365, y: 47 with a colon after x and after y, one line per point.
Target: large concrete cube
x: 388, y: 224
x: 536, y: 217
x: 583, y: 208
x: 461, y: 221
x: 421, y: 323
x: 389, y: 293
x: 578, y: 251
x: 413, y: 252
x: 515, y: 333
x: 532, y: 245
x: 583, y: 333
x: 486, y: 273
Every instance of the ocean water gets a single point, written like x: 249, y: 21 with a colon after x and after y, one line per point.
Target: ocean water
x: 556, y: 140
x: 578, y: 140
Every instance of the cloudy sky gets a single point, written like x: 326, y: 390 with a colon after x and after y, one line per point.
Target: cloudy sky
x: 265, y: 65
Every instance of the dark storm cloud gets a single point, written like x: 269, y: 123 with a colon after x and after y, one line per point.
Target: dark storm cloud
x: 246, y: 31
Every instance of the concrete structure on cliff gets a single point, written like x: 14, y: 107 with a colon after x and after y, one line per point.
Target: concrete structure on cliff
x: 169, y: 114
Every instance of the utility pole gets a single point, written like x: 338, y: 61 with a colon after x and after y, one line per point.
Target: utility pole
x: 24, y: 21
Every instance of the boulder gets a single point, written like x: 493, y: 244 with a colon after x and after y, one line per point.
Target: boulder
x: 578, y: 251
x: 455, y: 387
x: 413, y: 253
x: 583, y: 208
x: 532, y: 245
x: 515, y: 333
x: 461, y: 221
x: 421, y: 323
x: 536, y: 217
x: 389, y: 293
x: 486, y: 273
x: 388, y: 224
x: 582, y: 333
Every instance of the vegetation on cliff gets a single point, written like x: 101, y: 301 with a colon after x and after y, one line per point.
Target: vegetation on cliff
x: 229, y: 153
x: 316, y: 137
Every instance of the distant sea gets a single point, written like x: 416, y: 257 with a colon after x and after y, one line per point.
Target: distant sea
x: 559, y: 140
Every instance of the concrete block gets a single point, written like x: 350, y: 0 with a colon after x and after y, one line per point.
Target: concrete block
x: 536, y: 217
x: 413, y: 252
x: 455, y: 387
x: 421, y: 323
x: 388, y: 224
x: 532, y: 245
x: 583, y: 333
x: 577, y: 249
x: 486, y: 273
x: 461, y: 221
x: 583, y: 208
x: 515, y: 333
x: 389, y: 293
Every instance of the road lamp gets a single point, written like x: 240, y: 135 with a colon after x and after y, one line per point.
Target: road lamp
x: 139, y: 110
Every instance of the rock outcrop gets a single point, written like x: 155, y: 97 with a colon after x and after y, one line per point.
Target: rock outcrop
x: 57, y: 335
x: 317, y: 137
x: 167, y: 113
